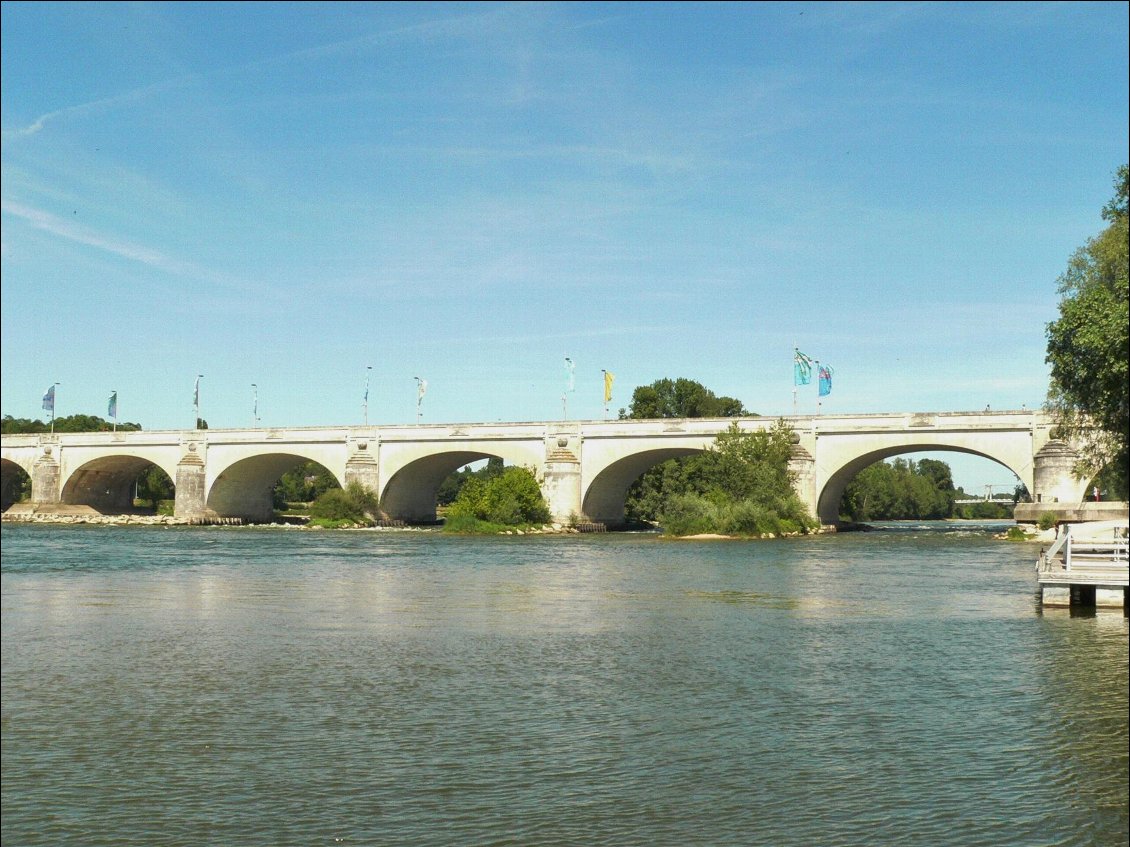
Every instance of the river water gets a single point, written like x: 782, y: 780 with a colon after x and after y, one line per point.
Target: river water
x: 194, y: 686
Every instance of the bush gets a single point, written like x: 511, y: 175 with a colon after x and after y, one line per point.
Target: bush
x: 1047, y: 521
x: 354, y: 504
x: 689, y: 514
x: 513, y: 498
x: 748, y: 518
x: 465, y: 524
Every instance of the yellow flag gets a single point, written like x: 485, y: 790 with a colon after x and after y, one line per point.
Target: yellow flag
x: 609, y: 378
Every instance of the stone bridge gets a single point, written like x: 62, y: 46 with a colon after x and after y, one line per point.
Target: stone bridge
x: 584, y: 467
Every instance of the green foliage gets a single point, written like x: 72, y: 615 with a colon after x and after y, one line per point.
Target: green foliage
x: 303, y: 484
x: 467, y: 524
x: 1089, y: 345
x: 449, y: 489
x: 154, y: 486
x: 689, y: 514
x: 1015, y: 533
x: 1047, y: 521
x: 354, y: 504
x: 677, y: 398
x: 68, y: 423
x: 740, y: 486
x: 900, y: 490
x: 681, y: 398
x: 512, y: 498
x: 693, y: 514
x: 985, y: 510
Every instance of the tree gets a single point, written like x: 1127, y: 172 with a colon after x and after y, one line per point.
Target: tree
x: 354, y: 504
x: 681, y: 398
x: 67, y: 423
x: 154, y: 485
x: 900, y: 490
x: 511, y: 497
x: 672, y: 398
x: 741, y: 485
x: 1088, y: 345
x: 451, y: 486
x: 303, y: 484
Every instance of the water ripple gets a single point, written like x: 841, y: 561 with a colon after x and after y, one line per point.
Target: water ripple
x: 230, y: 687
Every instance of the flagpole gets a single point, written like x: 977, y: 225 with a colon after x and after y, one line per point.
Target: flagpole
x: 568, y: 387
x: 365, y: 404
x: 819, y: 402
x: 54, y: 397
x: 196, y: 401
x: 796, y: 356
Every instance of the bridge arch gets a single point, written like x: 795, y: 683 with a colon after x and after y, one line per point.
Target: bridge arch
x: 13, y: 477
x: 831, y: 493
x: 106, y: 483
x: 603, y: 498
x: 410, y: 493
x: 245, y: 488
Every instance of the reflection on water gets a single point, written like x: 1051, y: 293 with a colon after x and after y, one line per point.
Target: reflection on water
x: 219, y: 686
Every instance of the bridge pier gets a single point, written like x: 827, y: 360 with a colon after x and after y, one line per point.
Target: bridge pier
x: 1054, y: 478
x: 561, y: 476
x: 45, y: 480
x: 191, y: 485
x: 362, y: 466
x: 803, y: 468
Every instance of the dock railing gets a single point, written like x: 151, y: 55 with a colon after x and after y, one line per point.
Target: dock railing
x: 1089, y: 554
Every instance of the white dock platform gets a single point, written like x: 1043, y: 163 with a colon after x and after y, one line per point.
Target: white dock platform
x: 1088, y: 565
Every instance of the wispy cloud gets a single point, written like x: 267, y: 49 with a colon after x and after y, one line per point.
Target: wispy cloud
x: 96, y: 106
x: 140, y: 254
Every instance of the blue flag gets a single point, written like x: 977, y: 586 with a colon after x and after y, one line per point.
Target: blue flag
x: 112, y: 408
x: 802, y: 368
x: 49, y: 400
x: 825, y: 380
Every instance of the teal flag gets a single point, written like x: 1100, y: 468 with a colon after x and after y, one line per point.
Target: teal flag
x: 112, y: 408
x: 825, y: 380
x: 802, y: 368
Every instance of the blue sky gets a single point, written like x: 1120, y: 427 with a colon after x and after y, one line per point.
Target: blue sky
x: 285, y: 194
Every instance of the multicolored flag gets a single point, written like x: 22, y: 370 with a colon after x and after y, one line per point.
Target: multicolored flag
x: 196, y: 393
x: 609, y: 378
x: 422, y: 389
x: 825, y: 380
x: 570, y: 375
x: 112, y: 407
x: 802, y: 368
x: 49, y: 400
